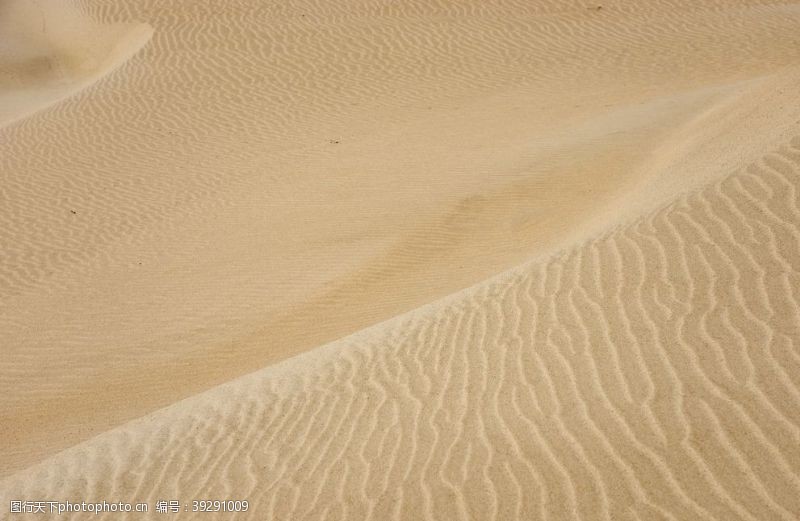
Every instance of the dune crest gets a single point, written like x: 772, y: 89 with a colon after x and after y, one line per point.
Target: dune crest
x: 51, y: 50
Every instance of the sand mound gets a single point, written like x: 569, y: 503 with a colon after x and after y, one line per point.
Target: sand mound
x: 651, y: 373
x: 51, y: 50
x: 268, y: 177
x: 262, y: 167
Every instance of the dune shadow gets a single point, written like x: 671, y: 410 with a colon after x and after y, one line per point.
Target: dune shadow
x: 53, y: 50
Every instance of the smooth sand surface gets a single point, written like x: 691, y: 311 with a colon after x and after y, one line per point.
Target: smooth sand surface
x: 404, y: 260
x: 50, y: 50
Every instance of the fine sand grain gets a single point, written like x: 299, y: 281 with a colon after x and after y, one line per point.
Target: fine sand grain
x: 402, y: 260
x: 50, y: 50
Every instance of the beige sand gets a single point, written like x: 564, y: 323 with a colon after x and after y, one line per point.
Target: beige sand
x: 261, y: 179
x: 51, y: 50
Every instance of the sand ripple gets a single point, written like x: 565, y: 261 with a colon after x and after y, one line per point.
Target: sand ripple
x: 651, y: 373
x: 185, y: 220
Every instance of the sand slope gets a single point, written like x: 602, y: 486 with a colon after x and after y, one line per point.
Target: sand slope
x: 51, y: 50
x: 261, y: 179
x: 259, y: 167
x: 651, y: 373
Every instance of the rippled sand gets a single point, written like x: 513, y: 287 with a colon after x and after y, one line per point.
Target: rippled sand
x: 402, y: 260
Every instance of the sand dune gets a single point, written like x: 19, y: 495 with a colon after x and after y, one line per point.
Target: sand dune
x: 651, y: 373
x: 488, y: 260
x: 51, y: 50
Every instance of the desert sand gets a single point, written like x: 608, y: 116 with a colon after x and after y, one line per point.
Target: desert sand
x: 411, y: 260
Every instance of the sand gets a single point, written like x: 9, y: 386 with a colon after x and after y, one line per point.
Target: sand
x: 402, y: 260
x: 50, y: 50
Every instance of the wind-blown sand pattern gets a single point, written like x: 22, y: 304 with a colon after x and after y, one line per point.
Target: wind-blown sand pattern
x: 558, y: 245
x: 652, y: 373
